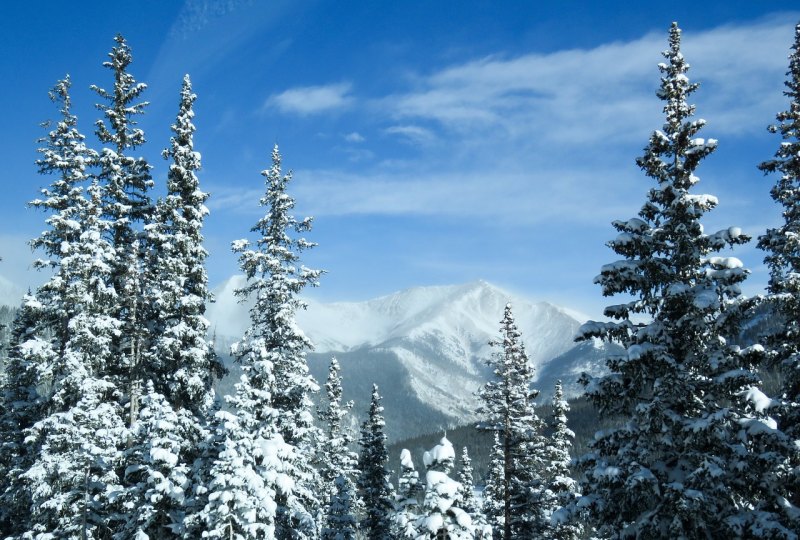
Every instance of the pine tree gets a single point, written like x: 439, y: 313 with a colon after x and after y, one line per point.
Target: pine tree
x: 441, y: 516
x: 508, y: 410
x: 560, y: 490
x: 677, y: 467
x: 272, y: 350
x: 20, y: 408
x: 466, y: 498
x: 73, y: 479
x: 407, y: 499
x: 158, y: 475
x: 179, y: 363
x: 341, y: 521
x: 781, y: 484
x: 180, y: 360
x: 125, y: 180
x: 243, y: 480
x: 374, y: 489
x: 66, y: 157
x: 335, y: 457
x: 494, y: 492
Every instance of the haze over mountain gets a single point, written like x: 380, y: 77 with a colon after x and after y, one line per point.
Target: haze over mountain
x: 426, y: 347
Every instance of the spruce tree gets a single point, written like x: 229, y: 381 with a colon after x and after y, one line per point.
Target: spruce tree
x: 41, y: 333
x: 560, y: 489
x: 781, y: 485
x: 179, y: 363
x: 125, y: 181
x: 494, y: 492
x: 677, y: 466
x: 508, y: 409
x: 407, y: 499
x: 73, y: 479
x: 243, y: 480
x: 335, y: 457
x: 374, y: 489
x: 20, y: 407
x: 272, y: 350
x: 467, y: 500
x: 441, y: 516
x: 341, y: 522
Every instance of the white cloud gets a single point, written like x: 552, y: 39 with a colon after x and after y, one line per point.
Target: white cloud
x: 604, y: 94
x: 548, y: 138
x: 354, y: 137
x: 415, y: 134
x: 306, y: 100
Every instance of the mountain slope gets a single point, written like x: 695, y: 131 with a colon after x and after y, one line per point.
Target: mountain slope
x: 426, y: 347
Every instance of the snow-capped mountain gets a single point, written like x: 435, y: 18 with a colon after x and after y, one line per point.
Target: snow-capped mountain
x: 426, y: 347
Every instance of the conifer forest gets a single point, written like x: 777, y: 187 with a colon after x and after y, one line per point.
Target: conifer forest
x: 111, y: 426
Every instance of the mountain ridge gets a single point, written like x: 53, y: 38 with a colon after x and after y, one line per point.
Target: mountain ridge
x: 426, y: 347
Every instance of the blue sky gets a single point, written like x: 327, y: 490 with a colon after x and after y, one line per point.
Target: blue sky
x: 434, y: 142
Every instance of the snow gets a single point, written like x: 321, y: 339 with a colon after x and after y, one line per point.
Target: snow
x: 405, y: 459
x: 761, y: 402
x: 439, y: 453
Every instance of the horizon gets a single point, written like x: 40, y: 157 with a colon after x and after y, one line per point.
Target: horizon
x: 434, y: 144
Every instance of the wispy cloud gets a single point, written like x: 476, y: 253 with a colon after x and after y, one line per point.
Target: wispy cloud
x: 603, y: 94
x: 414, y: 134
x: 307, y: 100
x: 354, y: 137
x: 543, y: 138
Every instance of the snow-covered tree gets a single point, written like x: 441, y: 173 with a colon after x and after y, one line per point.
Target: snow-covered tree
x: 340, y: 522
x: 157, y: 475
x: 494, y: 492
x: 560, y: 490
x: 508, y: 409
x: 73, y: 479
x: 407, y: 498
x: 678, y: 465
x: 374, y: 489
x: 782, y: 245
x: 272, y: 350
x: 335, y: 457
x: 467, y: 500
x: 440, y: 515
x: 65, y: 157
x: 125, y: 181
x: 243, y: 482
x: 20, y: 408
x: 180, y: 361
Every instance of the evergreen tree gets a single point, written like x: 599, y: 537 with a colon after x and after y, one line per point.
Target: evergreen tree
x: 157, y: 474
x: 180, y: 361
x: 407, y: 499
x: 441, y: 516
x: 20, y: 407
x: 243, y: 479
x: 335, y: 457
x: 678, y: 466
x: 39, y: 339
x: 341, y: 522
x: 508, y: 409
x: 467, y: 500
x: 374, y: 489
x: 125, y: 180
x: 560, y: 490
x: 73, y: 479
x: 66, y: 157
x: 782, y: 484
x: 272, y: 350
x: 494, y: 492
